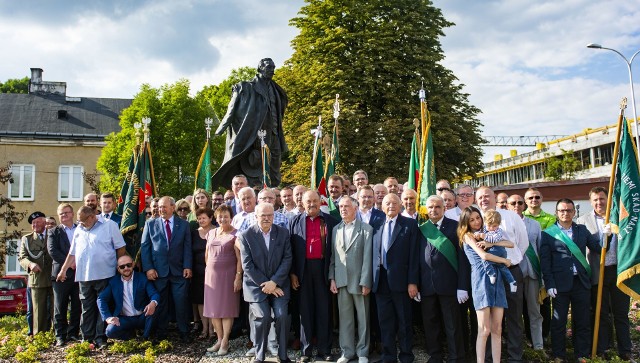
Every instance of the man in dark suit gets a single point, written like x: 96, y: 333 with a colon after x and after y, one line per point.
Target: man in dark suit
x: 311, y: 249
x: 566, y: 275
x: 350, y: 276
x: 442, y: 278
x: 134, y: 300
x: 614, y: 301
x: 166, y: 259
x: 266, y: 261
x: 395, y: 279
x: 68, y: 291
x: 108, y: 204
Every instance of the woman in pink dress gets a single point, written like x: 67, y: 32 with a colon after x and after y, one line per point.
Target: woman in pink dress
x: 223, y: 279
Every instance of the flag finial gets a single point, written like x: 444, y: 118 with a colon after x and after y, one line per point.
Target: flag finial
x: 207, y: 125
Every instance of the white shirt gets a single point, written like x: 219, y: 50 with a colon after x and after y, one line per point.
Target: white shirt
x: 611, y: 258
x: 516, y: 232
x: 237, y: 220
x: 453, y: 213
x: 348, y: 230
x: 128, y: 307
x: 238, y: 206
x: 267, y: 238
x: 365, y: 216
x: 412, y: 216
x: 69, y: 231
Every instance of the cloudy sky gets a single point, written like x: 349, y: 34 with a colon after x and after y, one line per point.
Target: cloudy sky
x: 524, y: 63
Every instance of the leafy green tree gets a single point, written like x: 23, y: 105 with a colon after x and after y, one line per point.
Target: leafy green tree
x: 562, y: 167
x: 376, y: 55
x: 15, y: 85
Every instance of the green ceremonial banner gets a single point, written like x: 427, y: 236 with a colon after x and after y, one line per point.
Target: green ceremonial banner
x: 333, y: 209
x: 133, y: 215
x: 334, y: 156
x: 414, y: 163
x: 427, y: 182
x: 127, y: 180
x: 266, y: 179
x: 625, y: 212
x: 319, y: 170
x: 203, y: 172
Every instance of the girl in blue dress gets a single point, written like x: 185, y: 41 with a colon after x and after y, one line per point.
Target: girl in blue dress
x: 489, y: 299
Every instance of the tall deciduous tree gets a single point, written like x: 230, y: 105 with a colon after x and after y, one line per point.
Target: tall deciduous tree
x: 15, y: 85
x: 376, y: 54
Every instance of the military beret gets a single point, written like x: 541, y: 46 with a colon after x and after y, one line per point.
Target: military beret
x: 35, y: 215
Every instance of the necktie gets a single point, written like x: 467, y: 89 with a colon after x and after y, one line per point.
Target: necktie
x: 41, y: 236
x: 385, y: 247
x: 106, y: 215
x: 168, y: 228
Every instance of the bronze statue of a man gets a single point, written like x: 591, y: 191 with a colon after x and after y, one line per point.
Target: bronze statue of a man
x: 255, y: 105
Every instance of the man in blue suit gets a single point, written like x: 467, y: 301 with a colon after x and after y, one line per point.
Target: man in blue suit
x: 134, y: 299
x: 567, y: 277
x: 166, y: 259
x: 266, y: 261
x: 108, y: 204
x: 395, y: 279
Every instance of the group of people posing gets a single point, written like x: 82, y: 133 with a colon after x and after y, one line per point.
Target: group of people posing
x: 282, y: 263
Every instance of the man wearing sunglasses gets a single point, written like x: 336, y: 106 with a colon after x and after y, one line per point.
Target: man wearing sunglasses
x: 134, y: 299
x: 533, y: 199
x: 531, y: 275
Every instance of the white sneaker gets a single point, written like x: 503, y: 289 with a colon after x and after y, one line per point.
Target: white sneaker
x: 273, y: 351
x: 363, y: 360
x: 251, y: 352
x: 343, y: 359
x: 492, y: 279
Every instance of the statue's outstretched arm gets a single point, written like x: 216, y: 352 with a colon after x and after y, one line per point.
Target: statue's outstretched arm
x: 228, y: 117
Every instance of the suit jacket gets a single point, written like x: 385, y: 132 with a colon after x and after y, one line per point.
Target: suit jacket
x: 58, y: 246
x: 154, y: 251
x: 437, y: 276
x: 403, y: 262
x: 556, y: 261
x: 116, y: 218
x: 377, y: 218
x: 32, y: 243
x: 298, y: 232
x: 589, y: 221
x: 351, y: 260
x: 143, y: 293
x: 261, y: 264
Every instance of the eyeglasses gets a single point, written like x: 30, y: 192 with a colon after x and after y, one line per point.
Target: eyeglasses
x: 149, y: 213
x: 442, y: 189
x: 466, y: 195
x: 518, y: 203
x: 183, y: 209
x: 126, y: 265
x: 566, y: 210
x: 534, y: 197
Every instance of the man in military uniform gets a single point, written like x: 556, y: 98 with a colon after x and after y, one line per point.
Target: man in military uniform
x: 35, y: 259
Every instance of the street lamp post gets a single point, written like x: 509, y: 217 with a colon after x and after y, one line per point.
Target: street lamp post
x: 633, y: 98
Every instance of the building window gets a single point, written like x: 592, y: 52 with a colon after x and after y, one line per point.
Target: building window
x: 70, y: 183
x: 11, y: 259
x: 21, y: 188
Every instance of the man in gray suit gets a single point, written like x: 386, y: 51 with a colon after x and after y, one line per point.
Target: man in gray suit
x: 614, y: 301
x: 350, y: 273
x: 266, y: 261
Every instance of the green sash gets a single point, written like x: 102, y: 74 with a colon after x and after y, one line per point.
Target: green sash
x: 440, y: 242
x: 534, y: 259
x: 555, y: 232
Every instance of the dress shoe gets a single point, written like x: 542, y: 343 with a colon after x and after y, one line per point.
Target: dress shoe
x: 59, y: 342
x: 251, y: 352
x: 100, y: 344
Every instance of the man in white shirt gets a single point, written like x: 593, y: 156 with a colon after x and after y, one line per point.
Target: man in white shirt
x: 134, y: 299
x: 516, y: 232
x: 409, y: 198
x: 237, y: 183
x: 379, y: 192
x: 464, y: 198
x: 247, y: 199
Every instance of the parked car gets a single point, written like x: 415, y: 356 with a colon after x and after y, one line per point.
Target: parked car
x: 13, y: 294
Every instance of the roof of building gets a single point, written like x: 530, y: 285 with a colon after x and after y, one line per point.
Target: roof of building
x: 55, y: 116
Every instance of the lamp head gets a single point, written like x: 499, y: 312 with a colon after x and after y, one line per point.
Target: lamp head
x: 594, y: 46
